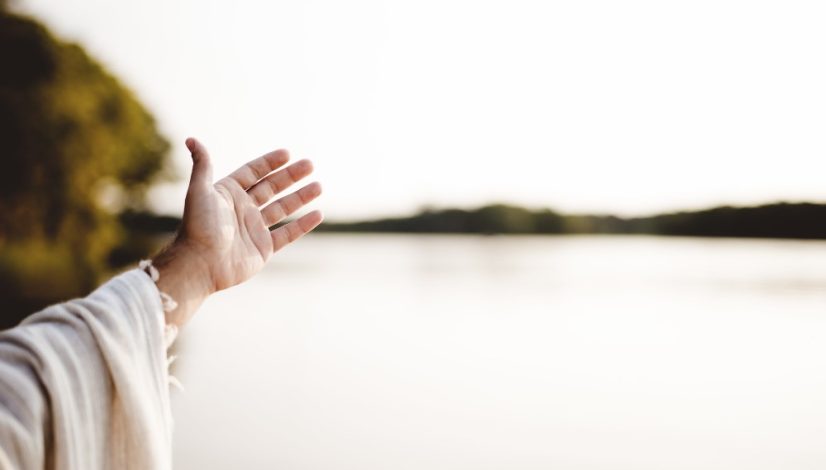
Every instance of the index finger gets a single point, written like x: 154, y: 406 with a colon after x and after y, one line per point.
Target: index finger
x: 254, y: 170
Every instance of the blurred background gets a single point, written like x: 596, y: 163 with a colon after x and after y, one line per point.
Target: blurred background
x: 575, y: 235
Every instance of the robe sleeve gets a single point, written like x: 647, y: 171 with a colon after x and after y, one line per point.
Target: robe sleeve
x: 84, y: 384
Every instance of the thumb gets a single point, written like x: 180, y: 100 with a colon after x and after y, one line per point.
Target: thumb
x: 201, y: 165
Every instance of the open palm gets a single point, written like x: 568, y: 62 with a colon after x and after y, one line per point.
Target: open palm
x: 227, y: 223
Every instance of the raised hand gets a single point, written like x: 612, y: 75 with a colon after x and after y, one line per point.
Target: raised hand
x: 224, y: 237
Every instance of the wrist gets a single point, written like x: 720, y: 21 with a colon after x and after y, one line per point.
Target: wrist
x: 183, y: 276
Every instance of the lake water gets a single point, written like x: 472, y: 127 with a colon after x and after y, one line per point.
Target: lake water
x: 462, y: 352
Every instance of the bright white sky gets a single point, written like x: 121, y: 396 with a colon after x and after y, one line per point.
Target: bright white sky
x: 628, y: 107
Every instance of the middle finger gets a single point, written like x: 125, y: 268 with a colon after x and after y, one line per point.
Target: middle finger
x: 276, y: 182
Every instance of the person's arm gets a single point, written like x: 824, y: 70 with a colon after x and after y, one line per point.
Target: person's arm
x: 225, y: 238
x: 84, y: 383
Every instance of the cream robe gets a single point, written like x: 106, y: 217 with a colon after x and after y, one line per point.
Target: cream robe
x: 84, y: 384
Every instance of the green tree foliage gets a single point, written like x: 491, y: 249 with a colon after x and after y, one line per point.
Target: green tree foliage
x: 72, y: 138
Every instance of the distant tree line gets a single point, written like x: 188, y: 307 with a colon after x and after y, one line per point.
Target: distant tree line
x: 780, y: 220
x: 496, y: 218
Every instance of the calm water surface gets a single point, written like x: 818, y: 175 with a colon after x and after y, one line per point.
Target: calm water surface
x: 454, y: 352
